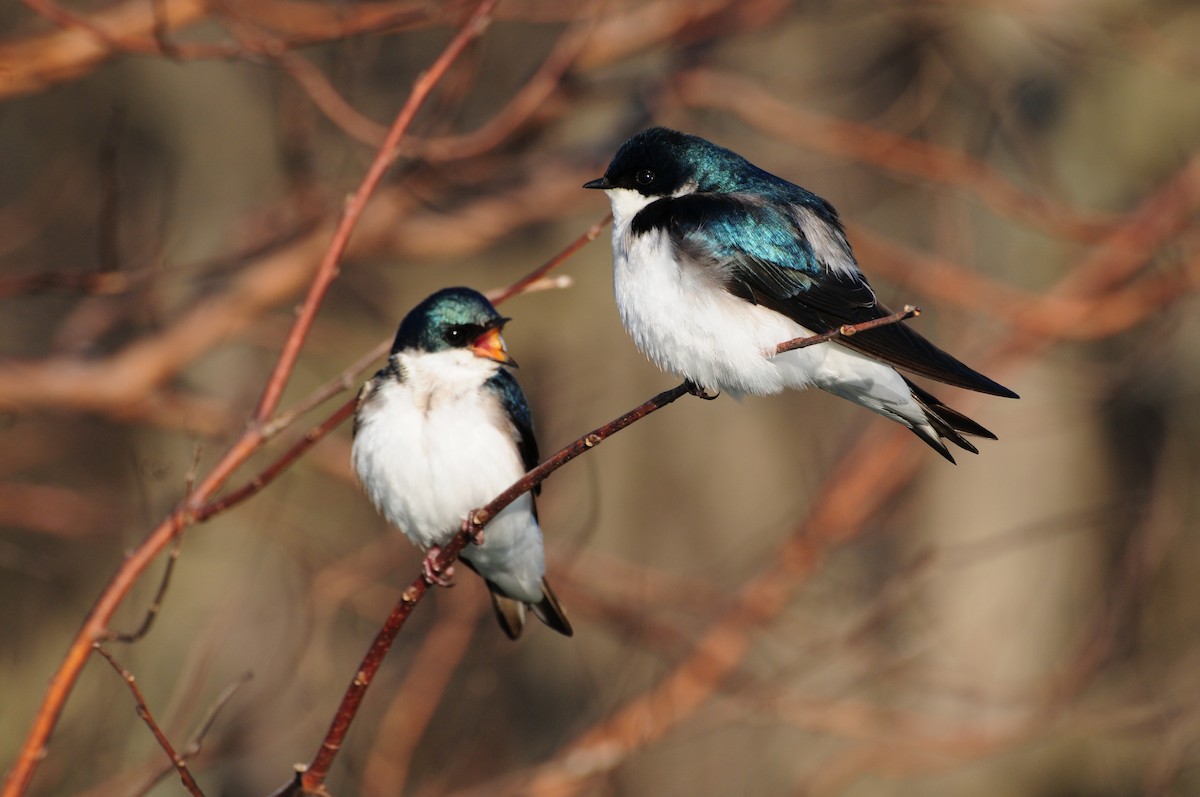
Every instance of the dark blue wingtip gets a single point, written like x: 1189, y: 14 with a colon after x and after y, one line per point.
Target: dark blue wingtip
x: 994, y: 388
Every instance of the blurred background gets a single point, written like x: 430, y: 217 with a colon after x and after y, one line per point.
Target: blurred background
x: 783, y: 595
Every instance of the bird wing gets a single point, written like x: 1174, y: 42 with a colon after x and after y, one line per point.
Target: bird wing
x: 793, y: 258
x: 516, y: 409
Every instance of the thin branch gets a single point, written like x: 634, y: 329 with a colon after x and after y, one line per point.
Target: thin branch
x: 416, y: 701
x: 196, y: 742
x: 204, y: 511
x: 848, y: 330
x: 523, y: 284
x: 155, y: 605
x: 702, y: 88
x: 143, y: 711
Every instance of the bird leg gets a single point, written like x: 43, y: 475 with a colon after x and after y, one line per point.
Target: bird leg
x: 701, y: 392
x: 431, y: 568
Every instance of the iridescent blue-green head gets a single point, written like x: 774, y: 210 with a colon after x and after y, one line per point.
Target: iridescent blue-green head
x: 662, y: 162
x: 454, y: 318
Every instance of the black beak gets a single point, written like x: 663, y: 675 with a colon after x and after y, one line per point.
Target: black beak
x: 600, y: 182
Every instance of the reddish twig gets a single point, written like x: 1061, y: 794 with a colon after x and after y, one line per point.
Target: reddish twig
x: 415, y: 703
x: 143, y: 711
x: 570, y: 249
x: 155, y: 604
x: 196, y: 742
x: 847, y: 330
x: 754, y: 105
x: 272, y: 471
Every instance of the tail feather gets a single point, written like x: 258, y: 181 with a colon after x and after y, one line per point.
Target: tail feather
x: 947, y: 423
x: 511, y: 612
x: 551, y: 613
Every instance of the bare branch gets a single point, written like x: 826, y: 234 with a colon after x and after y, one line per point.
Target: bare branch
x: 155, y: 604
x: 143, y: 711
x: 848, y: 330
x: 196, y: 743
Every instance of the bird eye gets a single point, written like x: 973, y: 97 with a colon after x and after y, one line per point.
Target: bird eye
x: 644, y: 177
x: 454, y: 335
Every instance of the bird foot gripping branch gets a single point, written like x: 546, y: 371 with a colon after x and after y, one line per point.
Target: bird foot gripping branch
x: 699, y: 391
x: 435, y: 574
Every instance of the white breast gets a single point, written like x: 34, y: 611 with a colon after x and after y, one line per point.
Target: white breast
x: 434, y: 446
x: 688, y: 324
x: 685, y: 323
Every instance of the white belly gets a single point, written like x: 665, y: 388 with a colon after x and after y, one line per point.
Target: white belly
x: 683, y: 325
x: 426, y: 467
x: 687, y: 324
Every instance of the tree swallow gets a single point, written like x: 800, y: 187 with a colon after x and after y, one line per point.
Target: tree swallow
x: 716, y: 261
x: 442, y: 429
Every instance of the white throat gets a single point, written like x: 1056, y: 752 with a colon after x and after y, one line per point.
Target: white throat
x: 625, y: 204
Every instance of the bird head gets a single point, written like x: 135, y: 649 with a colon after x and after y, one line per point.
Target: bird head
x: 661, y: 162
x: 454, y: 318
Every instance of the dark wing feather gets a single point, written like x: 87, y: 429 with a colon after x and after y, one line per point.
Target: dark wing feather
x: 760, y: 253
x: 516, y: 409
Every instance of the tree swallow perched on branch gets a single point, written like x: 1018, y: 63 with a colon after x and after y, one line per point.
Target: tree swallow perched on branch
x: 716, y: 261
x: 441, y: 430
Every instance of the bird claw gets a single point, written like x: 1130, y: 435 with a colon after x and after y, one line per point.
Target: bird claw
x: 701, y: 392
x: 432, y: 570
x: 474, y: 525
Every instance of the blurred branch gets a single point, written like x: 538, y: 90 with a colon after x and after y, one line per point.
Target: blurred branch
x: 55, y: 510
x: 532, y: 98
x: 38, y: 62
x: 529, y: 99
x: 1058, y: 316
x: 101, y: 283
x: 143, y: 711
x: 195, y: 744
x: 641, y: 25
x: 83, y: 42
x: 751, y: 103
